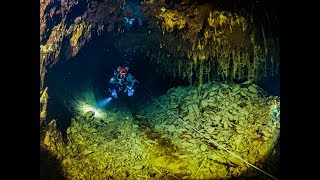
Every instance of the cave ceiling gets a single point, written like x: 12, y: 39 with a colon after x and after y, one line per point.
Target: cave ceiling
x: 198, y: 41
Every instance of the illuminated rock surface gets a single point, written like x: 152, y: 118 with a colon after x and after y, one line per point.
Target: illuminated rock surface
x: 154, y: 144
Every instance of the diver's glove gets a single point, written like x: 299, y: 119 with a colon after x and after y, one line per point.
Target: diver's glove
x: 112, y: 80
x: 114, y: 93
x: 130, y: 91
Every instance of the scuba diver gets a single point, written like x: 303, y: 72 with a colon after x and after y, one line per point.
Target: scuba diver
x: 132, y: 15
x: 129, y: 21
x: 122, y: 81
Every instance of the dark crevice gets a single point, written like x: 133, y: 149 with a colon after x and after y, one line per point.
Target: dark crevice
x: 75, y: 12
x: 52, y: 4
x: 51, y: 22
x: 50, y: 167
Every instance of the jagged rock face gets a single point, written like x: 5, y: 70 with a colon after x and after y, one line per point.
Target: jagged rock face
x: 202, y: 42
x: 43, y: 105
x: 67, y: 25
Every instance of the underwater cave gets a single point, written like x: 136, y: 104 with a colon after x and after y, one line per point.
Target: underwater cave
x: 197, y: 89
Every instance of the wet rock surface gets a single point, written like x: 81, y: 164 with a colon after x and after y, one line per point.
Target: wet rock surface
x: 155, y: 144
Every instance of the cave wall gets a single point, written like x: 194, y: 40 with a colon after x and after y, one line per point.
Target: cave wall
x: 194, y: 41
x: 65, y: 27
x: 202, y: 42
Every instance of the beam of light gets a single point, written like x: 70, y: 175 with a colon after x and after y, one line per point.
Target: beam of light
x: 85, y: 101
x: 104, y: 102
x: 87, y: 107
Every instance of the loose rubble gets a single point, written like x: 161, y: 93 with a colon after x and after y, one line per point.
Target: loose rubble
x: 154, y: 144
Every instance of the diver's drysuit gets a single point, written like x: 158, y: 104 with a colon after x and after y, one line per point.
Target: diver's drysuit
x: 122, y: 81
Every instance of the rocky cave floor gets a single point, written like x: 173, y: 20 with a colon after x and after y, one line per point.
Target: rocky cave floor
x: 153, y: 144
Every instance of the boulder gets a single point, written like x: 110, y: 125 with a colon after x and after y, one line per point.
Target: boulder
x: 252, y: 89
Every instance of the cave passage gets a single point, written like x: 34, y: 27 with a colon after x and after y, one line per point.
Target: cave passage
x: 225, y: 54
x: 92, y: 68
